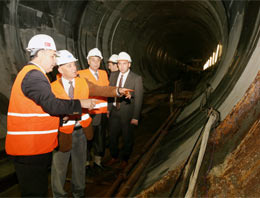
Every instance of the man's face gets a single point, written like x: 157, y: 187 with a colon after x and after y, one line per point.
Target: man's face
x: 94, y: 62
x: 112, y: 66
x: 48, y: 59
x: 123, y: 66
x: 68, y: 70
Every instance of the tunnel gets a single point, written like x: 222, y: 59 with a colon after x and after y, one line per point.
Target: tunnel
x: 170, y: 42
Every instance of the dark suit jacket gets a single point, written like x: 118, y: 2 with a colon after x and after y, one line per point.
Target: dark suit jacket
x: 131, y: 107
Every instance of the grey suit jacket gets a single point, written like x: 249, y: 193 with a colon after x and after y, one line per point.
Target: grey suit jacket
x: 131, y: 107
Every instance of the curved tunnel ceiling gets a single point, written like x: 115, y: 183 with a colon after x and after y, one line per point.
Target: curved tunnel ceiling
x: 163, y: 37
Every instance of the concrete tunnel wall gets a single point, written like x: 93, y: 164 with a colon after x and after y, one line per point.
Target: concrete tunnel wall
x: 161, y: 37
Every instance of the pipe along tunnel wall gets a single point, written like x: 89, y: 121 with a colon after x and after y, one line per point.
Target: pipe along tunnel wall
x: 164, y: 40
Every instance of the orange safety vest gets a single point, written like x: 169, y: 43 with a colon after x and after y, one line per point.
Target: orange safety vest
x: 81, y: 91
x: 101, y: 104
x: 30, y: 130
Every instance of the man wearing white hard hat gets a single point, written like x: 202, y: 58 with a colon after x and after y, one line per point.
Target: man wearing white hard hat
x: 98, y: 77
x: 33, y: 118
x: 71, y: 85
x: 124, y: 113
x: 112, y: 63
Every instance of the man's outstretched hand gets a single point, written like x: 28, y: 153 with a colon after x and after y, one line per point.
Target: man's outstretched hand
x: 125, y: 92
x: 88, y: 103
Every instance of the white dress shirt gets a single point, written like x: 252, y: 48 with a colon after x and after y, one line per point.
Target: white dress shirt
x: 123, y: 81
x: 124, y: 78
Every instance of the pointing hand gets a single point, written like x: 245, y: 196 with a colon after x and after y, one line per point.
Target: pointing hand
x: 125, y: 92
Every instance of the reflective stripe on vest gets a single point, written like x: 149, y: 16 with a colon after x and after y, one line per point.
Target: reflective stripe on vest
x: 70, y: 122
x: 28, y: 114
x: 67, y: 127
x: 30, y: 130
x: 85, y: 120
x: 101, y: 104
x: 81, y: 91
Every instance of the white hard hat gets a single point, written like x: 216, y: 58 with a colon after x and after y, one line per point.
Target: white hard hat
x: 124, y: 56
x: 40, y: 41
x: 95, y: 52
x: 113, y: 58
x: 64, y: 56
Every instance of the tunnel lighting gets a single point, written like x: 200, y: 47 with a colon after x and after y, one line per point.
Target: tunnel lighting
x: 220, y: 50
x: 206, y: 65
x: 214, y: 58
x: 159, y: 53
x: 217, y: 52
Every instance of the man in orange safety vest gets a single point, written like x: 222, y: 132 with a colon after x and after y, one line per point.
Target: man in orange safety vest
x: 33, y: 118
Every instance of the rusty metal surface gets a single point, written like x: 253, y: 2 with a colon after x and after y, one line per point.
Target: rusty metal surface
x: 244, y: 113
x: 232, y: 164
x: 165, y: 184
x: 239, y: 174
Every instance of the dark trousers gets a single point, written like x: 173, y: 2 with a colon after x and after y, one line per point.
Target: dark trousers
x: 118, y: 125
x: 99, y: 139
x: 32, y: 174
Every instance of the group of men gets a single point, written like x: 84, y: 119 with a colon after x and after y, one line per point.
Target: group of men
x: 49, y: 123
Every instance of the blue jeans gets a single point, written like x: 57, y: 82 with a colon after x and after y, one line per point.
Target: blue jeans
x: 60, y: 165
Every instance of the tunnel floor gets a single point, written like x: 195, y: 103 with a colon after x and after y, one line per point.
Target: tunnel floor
x: 98, y: 183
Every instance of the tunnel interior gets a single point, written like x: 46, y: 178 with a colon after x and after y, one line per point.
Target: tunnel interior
x: 168, y: 41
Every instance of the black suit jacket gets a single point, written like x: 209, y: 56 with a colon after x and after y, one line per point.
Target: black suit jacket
x: 131, y: 107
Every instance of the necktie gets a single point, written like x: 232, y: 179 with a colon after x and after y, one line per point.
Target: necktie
x: 96, y: 74
x: 118, y: 99
x: 121, y: 81
x: 71, y: 90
